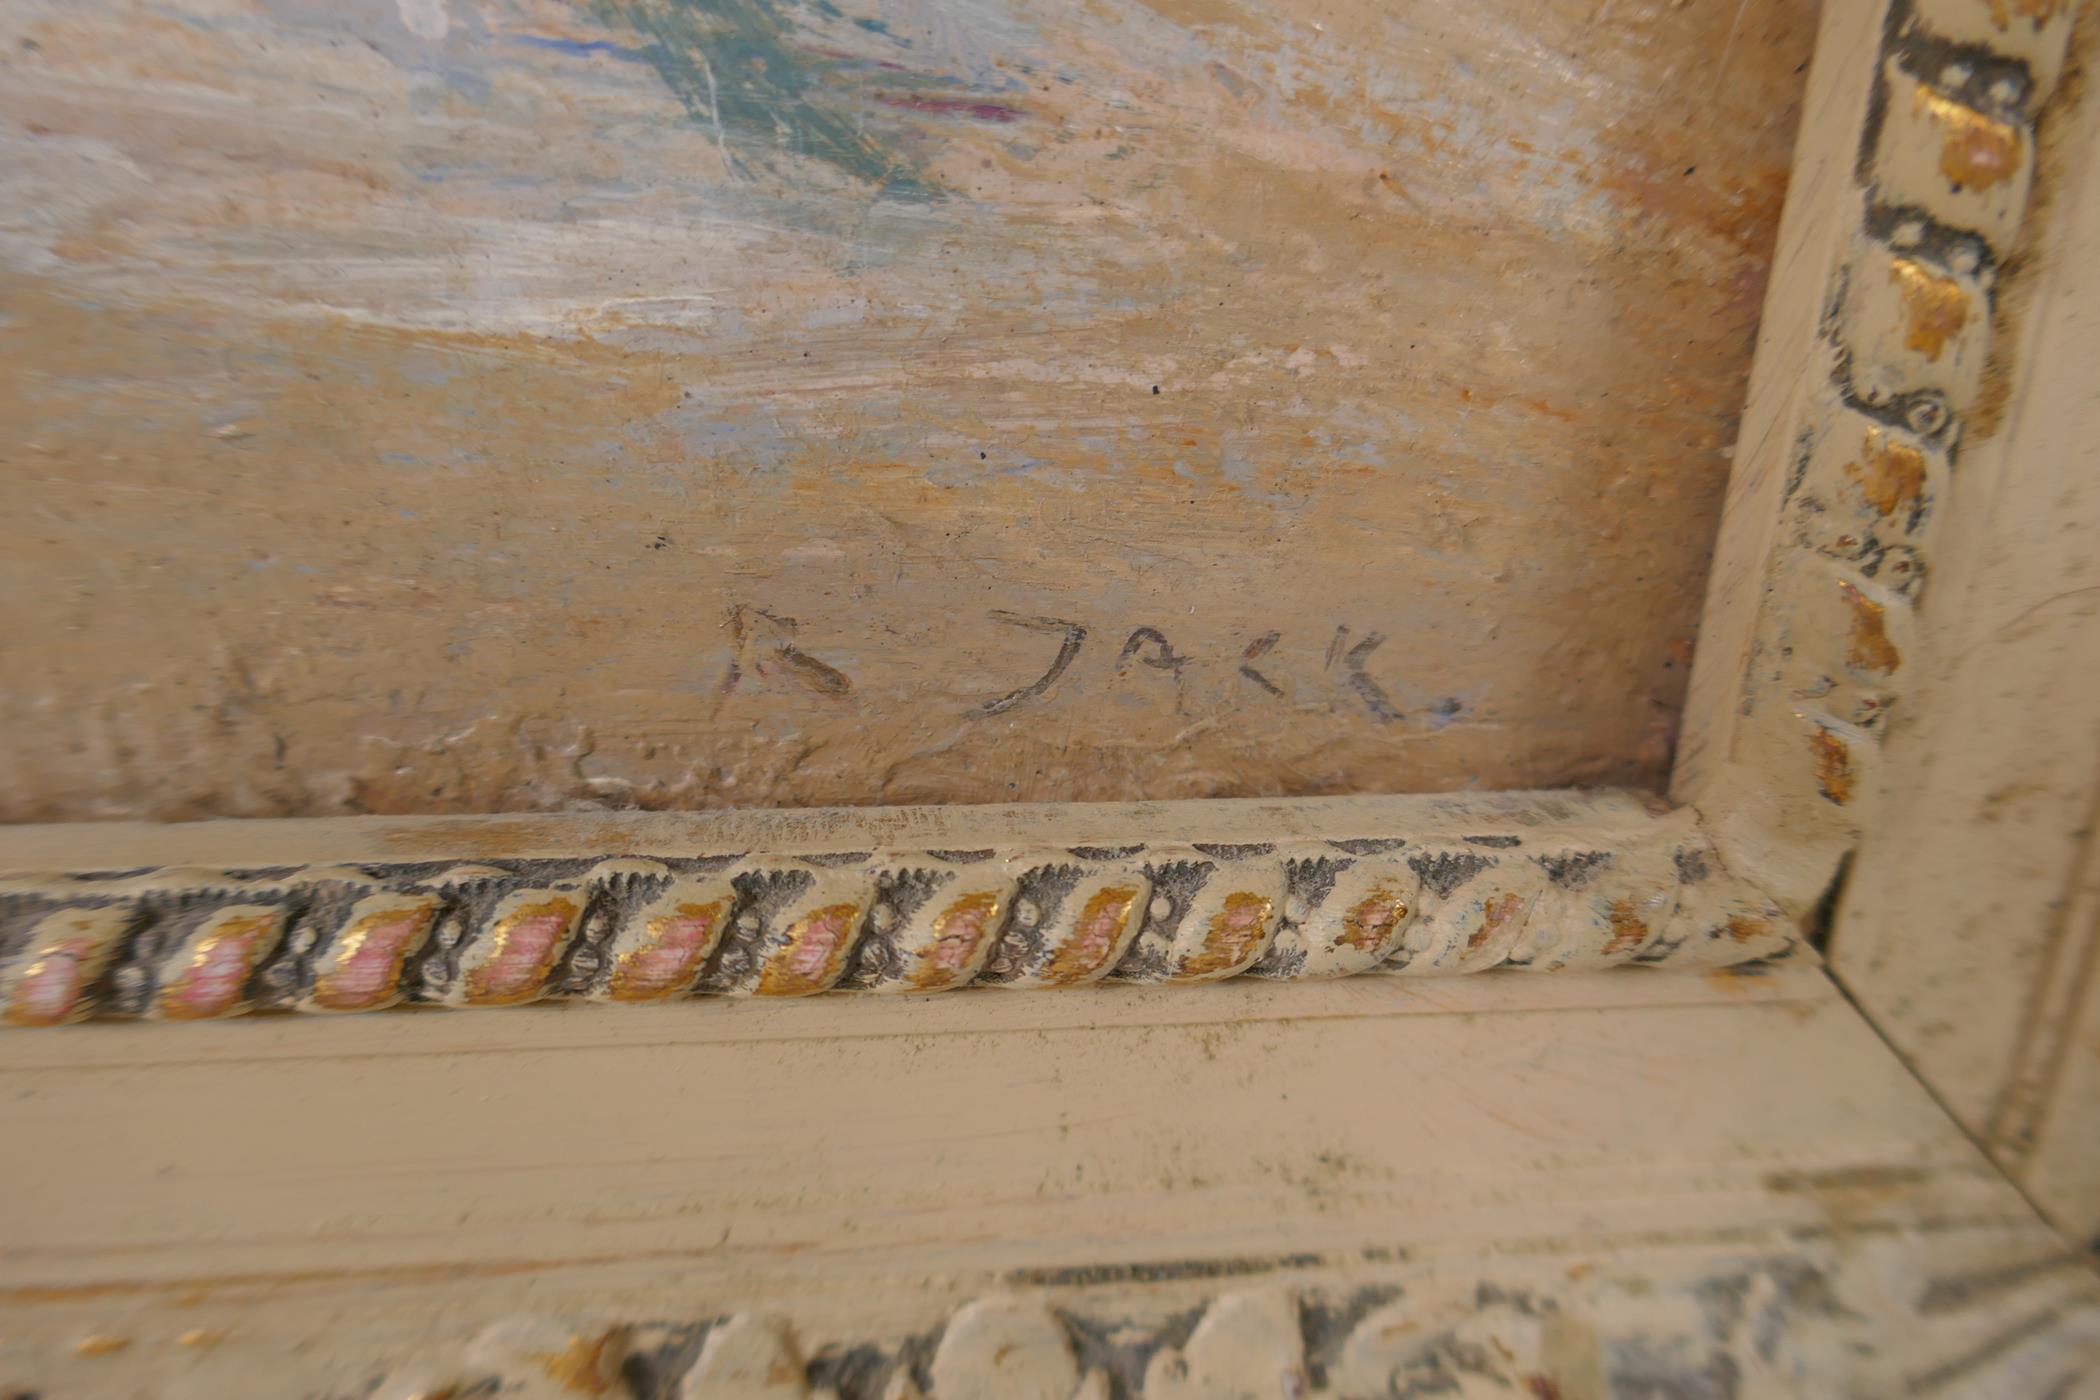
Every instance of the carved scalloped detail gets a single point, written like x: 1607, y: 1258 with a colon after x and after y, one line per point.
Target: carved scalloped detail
x: 1944, y: 171
x: 195, y: 944
x: 1871, y: 1316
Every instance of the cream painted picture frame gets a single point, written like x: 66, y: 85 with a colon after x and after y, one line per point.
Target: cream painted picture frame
x: 1887, y: 348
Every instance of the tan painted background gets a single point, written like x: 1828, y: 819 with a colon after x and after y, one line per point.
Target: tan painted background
x: 460, y: 405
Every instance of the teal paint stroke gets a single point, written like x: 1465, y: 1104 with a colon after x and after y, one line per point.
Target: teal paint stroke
x: 735, y: 68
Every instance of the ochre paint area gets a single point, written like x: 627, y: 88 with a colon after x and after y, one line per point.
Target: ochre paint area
x: 448, y: 408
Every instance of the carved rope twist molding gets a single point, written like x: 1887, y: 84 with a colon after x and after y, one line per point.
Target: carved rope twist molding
x: 189, y: 944
x: 1943, y: 175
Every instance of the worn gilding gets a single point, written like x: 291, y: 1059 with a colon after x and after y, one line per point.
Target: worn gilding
x: 1628, y: 930
x: 813, y: 954
x: 1496, y: 913
x: 1976, y: 151
x: 1935, y: 308
x: 1870, y: 648
x: 362, y: 970
x: 1373, y: 900
x: 335, y: 937
x: 1097, y: 933
x: 959, y: 935
x: 1833, y: 765
x: 1902, y: 247
x: 666, y: 957
x: 511, y: 962
x: 67, y: 951
x: 1473, y: 920
x: 1372, y: 920
x: 1890, y: 475
x: 1745, y: 928
x: 210, y: 973
x: 1233, y: 938
x: 2037, y: 12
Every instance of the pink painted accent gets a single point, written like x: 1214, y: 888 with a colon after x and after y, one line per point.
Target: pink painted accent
x: 820, y: 939
x: 526, y: 943
x: 667, y: 963
x: 959, y: 940
x: 367, y: 975
x: 212, y: 982
x: 953, y: 107
x: 48, y: 989
x: 1098, y: 934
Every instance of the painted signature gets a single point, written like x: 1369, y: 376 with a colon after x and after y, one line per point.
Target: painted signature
x: 761, y: 637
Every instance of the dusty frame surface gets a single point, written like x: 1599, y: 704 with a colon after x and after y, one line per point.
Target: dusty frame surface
x: 1917, y: 152
x: 1911, y: 182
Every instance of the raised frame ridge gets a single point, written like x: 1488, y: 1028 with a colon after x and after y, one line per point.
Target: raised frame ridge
x: 644, y: 908
x: 1871, y: 366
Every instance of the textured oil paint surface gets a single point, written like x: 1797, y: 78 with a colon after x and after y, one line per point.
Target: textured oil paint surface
x: 462, y: 405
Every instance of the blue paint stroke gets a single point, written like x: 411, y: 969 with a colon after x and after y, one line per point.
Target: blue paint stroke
x: 583, y: 48
x: 741, y: 70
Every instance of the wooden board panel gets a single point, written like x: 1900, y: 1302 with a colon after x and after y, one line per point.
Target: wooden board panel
x: 1970, y: 926
x: 1120, y: 1130
x: 323, y: 1202
x: 415, y: 405
x: 1606, y: 817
